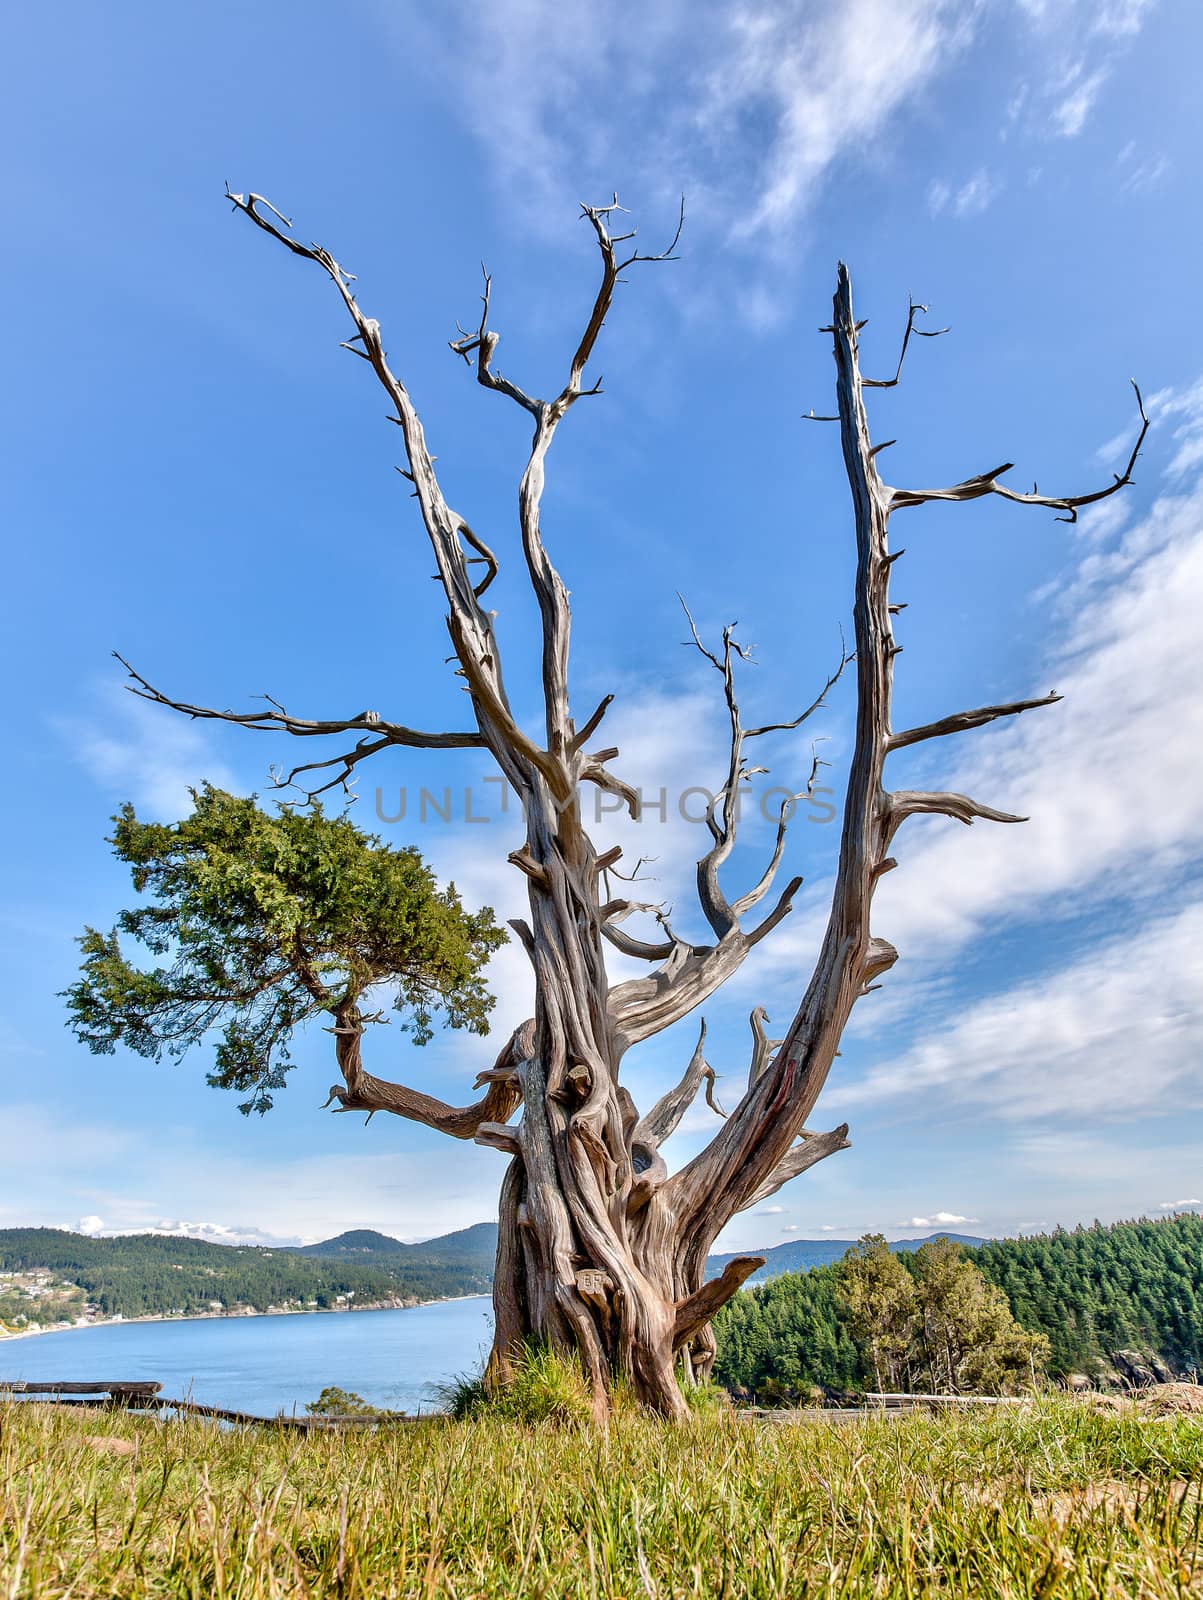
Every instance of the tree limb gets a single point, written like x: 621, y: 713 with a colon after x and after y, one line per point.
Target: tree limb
x: 698, y: 1309
x: 662, y: 1121
x: 920, y: 333
x: 363, y: 1092
x: 962, y: 721
x: 814, y: 1147
x: 987, y: 483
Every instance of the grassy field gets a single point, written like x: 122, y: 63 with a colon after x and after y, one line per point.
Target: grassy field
x: 1053, y: 1500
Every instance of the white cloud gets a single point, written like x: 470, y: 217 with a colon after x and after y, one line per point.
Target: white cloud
x: 770, y: 1211
x: 973, y: 197
x: 969, y: 200
x: 825, y: 92
x: 790, y: 1227
x: 936, y: 1220
x: 1108, y: 777
x: 1120, y: 19
x: 1071, y: 111
x: 1110, y: 19
x: 220, y: 1233
x: 766, y: 96
x: 152, y: 756
x: 1179, y: 1205
x: 1068, y: 1041
x: 210, y: 1232
x: 1085, y: 41
x: 1139, y: 175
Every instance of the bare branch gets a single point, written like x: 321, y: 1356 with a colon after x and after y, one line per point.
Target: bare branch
x: 612, y: 270
x: 662, y: 1121
x: 913, y: 802
x: 278, y: 720
x: 346, y: 762
x: 813, y: 1148
x: 758, y: 890
x: 485, y: 345
x: 987, y: 483
x: 762, y: 1045
x: 930, y: 333
x: 962, y: 721
x: 581, y: 739
x: 697, y: 1310
x: 486, y: 556
x: 780, y: 911
x: 816, y: 704
x: 363, y: 1092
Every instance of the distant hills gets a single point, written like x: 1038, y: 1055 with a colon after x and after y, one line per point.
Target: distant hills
x: 143, y: 1275
x: 473, y: 1251
x: 799, y: 1255
x: 146, y: 1275
x: 470, y: 1250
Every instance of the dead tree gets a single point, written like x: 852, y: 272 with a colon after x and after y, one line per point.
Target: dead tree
x: 601, y: 1249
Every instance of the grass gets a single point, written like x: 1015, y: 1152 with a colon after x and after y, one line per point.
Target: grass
x: 1047, y: 1501
x: 546, y: 1387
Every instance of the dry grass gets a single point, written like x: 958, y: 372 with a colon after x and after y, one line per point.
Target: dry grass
x: 1051, y: 1501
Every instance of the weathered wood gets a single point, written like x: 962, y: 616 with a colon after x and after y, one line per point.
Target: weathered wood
x: 23, y: 1386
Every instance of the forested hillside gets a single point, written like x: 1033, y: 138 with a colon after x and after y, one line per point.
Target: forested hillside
x: 153, y: 1274
x: 1129, y: 1286
x: 1136, y: 1285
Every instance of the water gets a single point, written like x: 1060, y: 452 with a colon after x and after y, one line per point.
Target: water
x: 268, y: 1364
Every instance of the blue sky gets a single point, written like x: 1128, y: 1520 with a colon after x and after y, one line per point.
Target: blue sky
x: 200, y: 478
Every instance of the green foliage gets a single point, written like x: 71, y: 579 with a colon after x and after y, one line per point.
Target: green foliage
x: 1131, y: 1285
x: 154, y: 1274
x: 1047, y: 1500
x: 336, y: 1402
x: 879, y: 1294
x: 548, y: 1386
x: 707, y: 1399
x: 780, y: 1339
x: 463, y: 1396
x: 263, y: 923
x: 935, y: 1325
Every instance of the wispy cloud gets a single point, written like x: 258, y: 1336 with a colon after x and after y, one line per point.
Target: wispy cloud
x: 210, y: 1232
x: 141, y: 753
x: 969, y: 200
x: 1072, y: 108
x: 1086, y: 40
x: 766, y: 97
x: 1067, y: 1041
x: 1138, y: 174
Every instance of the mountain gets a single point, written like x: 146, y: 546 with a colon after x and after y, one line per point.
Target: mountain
x: 471, y: 1250
x: 799, y: 1255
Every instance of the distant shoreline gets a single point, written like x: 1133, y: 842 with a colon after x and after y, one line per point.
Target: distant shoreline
x: 233, y: 1316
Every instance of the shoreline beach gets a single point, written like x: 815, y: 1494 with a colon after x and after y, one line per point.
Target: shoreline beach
x: 8, y: 1336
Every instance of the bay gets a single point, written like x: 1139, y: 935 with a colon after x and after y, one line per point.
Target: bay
x: 267, y: 1364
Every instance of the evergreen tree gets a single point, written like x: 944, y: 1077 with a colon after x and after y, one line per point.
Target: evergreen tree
x: 263, y: 923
